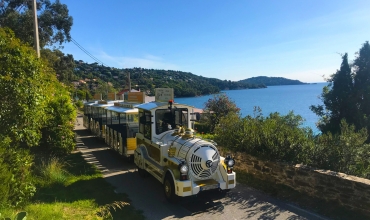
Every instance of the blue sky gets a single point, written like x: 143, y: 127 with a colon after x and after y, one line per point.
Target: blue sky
x: 233, y: 40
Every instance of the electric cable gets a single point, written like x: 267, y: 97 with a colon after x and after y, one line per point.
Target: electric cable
x: 87, y: 52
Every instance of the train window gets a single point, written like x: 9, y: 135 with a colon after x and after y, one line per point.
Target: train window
x: 104, y: 117
x: 93, y: 112
x: 96, y: 112
x: 167, y: 120
x: 145, y: 126
x: 123, y: 118
x: 109, y: 117
x: 133, y: 118
x: 163, y: 119
x: 101, y: 112
x: 115, y: 118
x: 120, y: 118
x: 136, y: 118
x: 181, y: 116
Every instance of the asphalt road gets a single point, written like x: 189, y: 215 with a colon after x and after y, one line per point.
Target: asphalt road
x: 147, y: 194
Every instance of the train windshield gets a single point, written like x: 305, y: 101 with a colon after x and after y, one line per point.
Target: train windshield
x: 169, y: 119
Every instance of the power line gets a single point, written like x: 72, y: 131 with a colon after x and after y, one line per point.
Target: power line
x: 87, y: 52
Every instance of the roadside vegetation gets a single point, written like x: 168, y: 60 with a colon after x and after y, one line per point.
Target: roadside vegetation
x: 343, y: 145
x: 40, y: 176
x: 38, y: 173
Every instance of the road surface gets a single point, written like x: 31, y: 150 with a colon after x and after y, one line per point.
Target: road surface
x: 147, y: 194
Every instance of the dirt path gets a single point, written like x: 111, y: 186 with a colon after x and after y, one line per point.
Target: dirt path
x: 147, y: 194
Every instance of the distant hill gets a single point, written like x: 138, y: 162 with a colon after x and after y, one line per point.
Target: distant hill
x: 271, y: 81
x: 185, y: 84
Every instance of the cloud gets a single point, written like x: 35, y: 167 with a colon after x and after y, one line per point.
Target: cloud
x: 147, y: 61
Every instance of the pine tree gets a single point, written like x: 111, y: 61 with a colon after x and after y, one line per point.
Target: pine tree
x: 338, y: 100
x: 362, y: 85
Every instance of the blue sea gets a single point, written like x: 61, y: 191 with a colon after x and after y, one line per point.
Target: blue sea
x: 282, y: 99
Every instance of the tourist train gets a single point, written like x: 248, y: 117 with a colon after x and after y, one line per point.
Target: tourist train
x: 159, y: 136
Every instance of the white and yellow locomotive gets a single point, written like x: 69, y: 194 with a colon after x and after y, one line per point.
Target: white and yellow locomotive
x: 168, y: 150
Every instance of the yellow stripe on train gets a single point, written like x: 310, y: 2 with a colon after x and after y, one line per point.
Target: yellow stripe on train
x: 131, y: 143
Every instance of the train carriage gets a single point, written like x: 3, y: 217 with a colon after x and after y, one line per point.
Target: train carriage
x: 121, y: 128
x: 88, y: 114
x: 98, y: 119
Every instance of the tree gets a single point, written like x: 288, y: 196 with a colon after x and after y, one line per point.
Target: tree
x: 63, y: 65
x: 104, y: 88
x: 24, y: 84
x: 217, y: 107
x: 53, y: 20
x: 338, y: 100
x: 361, y: 67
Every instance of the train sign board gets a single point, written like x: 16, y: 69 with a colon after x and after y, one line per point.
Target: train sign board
x: 164, y: 94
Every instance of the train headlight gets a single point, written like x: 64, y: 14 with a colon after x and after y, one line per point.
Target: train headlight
x: 184, y: 169
x: 230, y: 163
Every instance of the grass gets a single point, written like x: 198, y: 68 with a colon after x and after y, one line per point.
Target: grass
x: 53, y: 172
x: 331, y: 209
x: 70, y: 188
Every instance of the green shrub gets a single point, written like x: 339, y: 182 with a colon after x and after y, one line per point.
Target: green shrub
x: 206, y: 136
x: 17, y: 185
x: 79, y: 104
x: 281, y: 138
x: 202, y: 128
x: 24, y: 84
x: 275, y: 137
x: 217, y: 107
x: 347, y: 152
x: 58, y: 136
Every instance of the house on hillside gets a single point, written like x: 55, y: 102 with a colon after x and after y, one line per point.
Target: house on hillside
x: 123, y: 94
x: 76, y: 83
x: 120, y: 94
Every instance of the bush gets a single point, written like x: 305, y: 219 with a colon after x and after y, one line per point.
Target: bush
x: 24, y: 84
x: 202, y: 128
x: 79, y: 104
x: 216, y: 108
x: 17, y: 185
x: 275, y: 137
x: 347, y: 152
x: 281, y: 138
x: 58, y: 136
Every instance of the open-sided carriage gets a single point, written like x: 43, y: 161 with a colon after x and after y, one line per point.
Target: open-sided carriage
x: 121, y: 128
x: 88, y: 114
x: 98, y: 119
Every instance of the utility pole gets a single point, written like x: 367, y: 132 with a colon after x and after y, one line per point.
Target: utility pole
x: 35, y: 29
x: 129, y: 82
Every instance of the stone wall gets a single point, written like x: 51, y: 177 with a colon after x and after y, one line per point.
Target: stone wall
x: 350, y: 191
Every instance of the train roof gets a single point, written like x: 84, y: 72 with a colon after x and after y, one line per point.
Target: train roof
x: 153, y: 105
x: 102, y: 105
x: 119, y: 109
x: 90, y: 103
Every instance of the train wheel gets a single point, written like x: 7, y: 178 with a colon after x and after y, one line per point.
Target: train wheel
x: 169, y: 189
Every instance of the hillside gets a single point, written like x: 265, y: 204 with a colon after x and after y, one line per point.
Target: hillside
x: 271, y: 81
x: 185, y: 84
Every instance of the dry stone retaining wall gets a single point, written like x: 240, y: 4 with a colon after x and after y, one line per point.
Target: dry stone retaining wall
x: 350, y: 191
